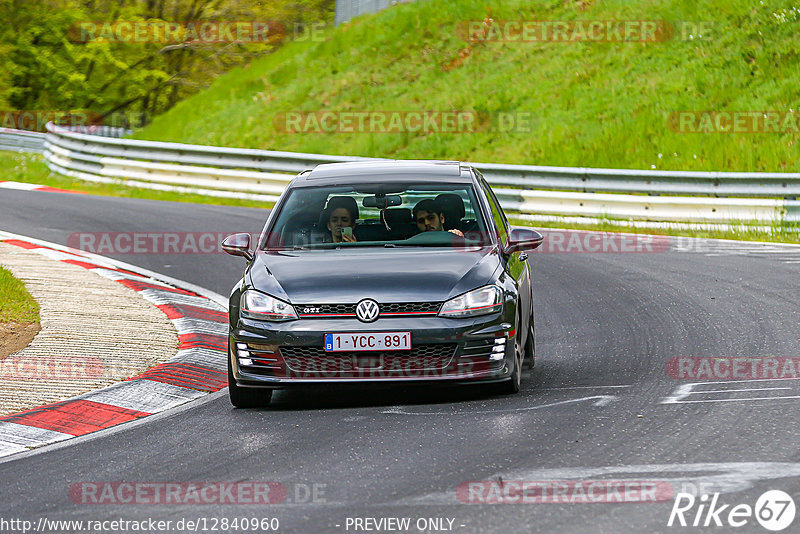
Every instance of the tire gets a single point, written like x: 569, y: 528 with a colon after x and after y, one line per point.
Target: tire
x: 530, y: 345
x: 245, y: 397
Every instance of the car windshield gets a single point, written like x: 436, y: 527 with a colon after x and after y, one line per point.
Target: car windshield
x: 378, y: 215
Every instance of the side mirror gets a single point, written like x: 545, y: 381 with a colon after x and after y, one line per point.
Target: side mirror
x: 521, y: 238
x: 238, y: 245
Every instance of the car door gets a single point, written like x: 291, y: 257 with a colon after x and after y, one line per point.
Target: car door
x: 515, y: 264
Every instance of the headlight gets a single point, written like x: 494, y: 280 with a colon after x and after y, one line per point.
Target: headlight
x: 257, y: 305
x: 480, y: 301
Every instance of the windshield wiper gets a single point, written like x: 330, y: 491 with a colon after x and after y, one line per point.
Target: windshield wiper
x: 467, y: 244
x: 395, y: 245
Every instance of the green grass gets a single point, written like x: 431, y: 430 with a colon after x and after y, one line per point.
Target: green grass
x: 592, y: 104
x: 16, y: 304
x: 736, y: 231
x: 30, y: 168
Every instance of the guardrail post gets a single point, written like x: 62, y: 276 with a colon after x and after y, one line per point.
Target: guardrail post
x: 792, y: 212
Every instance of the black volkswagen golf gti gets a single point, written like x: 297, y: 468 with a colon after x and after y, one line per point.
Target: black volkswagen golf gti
x: 382, y: 271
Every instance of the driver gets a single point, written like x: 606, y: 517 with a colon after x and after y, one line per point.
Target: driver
x: 429, y: 217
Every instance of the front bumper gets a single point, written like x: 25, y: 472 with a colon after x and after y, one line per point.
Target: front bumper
x: 280, y: 355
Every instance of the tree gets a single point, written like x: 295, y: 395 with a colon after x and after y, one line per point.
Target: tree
x: 61, y: 56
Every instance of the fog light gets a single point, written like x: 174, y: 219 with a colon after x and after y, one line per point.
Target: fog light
x: 245, y: 361
x: 498, y: 349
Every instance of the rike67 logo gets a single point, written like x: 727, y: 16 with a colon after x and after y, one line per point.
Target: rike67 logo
x: 774, y: 510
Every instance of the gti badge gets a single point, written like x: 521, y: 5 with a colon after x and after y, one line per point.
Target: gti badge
x: 367, y: 310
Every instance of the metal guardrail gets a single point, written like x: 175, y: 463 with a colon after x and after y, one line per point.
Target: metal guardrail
x: 21, y: 141
x: 27, y: 141
x: 656, y: 196
x: 101, y: 130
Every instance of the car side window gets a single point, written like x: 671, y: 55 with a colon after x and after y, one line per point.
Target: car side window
x: 497, y: 214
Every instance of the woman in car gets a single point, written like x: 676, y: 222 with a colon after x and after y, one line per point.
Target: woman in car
x: 341, y: 213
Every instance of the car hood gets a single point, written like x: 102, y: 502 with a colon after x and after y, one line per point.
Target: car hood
x: 386, y: 275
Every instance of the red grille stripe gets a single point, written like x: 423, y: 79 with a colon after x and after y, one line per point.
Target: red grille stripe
x: 411, y: 313
x: 327, y: 315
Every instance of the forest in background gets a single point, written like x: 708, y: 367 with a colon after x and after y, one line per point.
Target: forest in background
x: 113, y: 76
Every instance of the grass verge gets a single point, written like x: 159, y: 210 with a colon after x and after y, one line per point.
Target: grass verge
x: 16, y: 304
x: 576, y: 103
x: 737, y: 232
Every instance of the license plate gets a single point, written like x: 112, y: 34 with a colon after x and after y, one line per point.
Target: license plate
x: 349, y: 342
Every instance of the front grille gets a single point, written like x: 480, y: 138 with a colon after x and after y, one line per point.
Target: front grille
x: 313, y: 360
x: 410, y: 307
x: 325, y: 309
x: 344, y: 310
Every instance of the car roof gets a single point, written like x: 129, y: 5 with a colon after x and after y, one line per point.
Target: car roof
x: 385, y: 171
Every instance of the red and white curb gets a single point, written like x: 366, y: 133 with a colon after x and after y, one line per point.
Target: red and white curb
x: 199, y: 367
x: 22, y: 186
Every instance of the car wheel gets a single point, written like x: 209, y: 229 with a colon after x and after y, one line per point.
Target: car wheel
x: 530, y: 345
x: 245, y: 397
x: 513, y: 385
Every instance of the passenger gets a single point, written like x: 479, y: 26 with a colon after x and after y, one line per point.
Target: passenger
x: 340, y: 213
x: 429, y: 217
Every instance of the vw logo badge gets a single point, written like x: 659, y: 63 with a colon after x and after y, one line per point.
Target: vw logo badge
x: 367, y: 310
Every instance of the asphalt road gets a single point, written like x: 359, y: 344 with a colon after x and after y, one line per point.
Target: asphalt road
x: 600, y: 404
